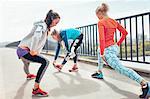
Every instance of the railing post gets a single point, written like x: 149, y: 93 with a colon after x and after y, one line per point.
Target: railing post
x: 130, y: 39
x: 137, y: 48
x: 143, y: 39
x: 125, y: 40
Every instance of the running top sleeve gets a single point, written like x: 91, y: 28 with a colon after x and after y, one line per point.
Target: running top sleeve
x: 101, y: 37
x: 36, y: 37
x: 57, y: 51
x: 123, y: 32
x: 65, y: 39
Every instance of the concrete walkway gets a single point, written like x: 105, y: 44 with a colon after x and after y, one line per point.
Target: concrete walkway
x: 63, y: 85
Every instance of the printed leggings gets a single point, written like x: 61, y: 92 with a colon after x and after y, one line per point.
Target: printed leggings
x: 110, y: 54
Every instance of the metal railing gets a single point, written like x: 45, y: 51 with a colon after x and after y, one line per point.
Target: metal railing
x: 136, y: 46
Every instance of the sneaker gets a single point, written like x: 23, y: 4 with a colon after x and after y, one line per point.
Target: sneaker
x: 31, y: 76
x: 97, y: 75
x: 40, y: 93
x: 74, y: 69
x: 146, y: 92
x: 58, y: 67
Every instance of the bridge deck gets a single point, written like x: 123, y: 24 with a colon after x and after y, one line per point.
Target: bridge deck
x: 64, y: 85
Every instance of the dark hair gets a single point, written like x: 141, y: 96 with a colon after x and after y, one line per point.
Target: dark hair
x: 50, y: 17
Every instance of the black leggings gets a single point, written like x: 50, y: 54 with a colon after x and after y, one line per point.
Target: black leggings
x: 74, y: 46
x: 38, y: 59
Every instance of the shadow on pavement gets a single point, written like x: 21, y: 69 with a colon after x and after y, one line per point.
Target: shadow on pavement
x: 76, y: 87
x: 127, y: 94
x: 20, y: 91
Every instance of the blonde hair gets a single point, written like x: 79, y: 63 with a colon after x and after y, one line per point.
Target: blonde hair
x: 103, y: 9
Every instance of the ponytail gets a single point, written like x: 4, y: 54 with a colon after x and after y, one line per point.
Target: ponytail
x: 50, y: 17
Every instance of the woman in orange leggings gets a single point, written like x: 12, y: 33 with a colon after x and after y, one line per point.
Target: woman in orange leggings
x: 109, y: 49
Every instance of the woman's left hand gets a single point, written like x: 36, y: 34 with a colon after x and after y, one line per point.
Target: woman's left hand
x: 33, y: 53
x: 116, y: 44
x: 103, y: 57
x: 63, y: 44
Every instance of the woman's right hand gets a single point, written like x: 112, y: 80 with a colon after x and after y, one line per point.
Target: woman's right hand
x: 103, y: 57
x: 117, y: 44
x: 54, y: 62
x: 33, y: 53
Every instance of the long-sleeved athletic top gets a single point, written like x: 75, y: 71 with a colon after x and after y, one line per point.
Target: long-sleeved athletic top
x: 67, y: 34
x: 107, y: 27
x: 36, y: 39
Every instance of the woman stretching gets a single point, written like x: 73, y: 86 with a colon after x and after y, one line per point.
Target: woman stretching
x: 30, y: 47
x: 109, y: 49
x: 62, y: 38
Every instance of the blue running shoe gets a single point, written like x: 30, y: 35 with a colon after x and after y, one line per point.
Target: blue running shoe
x: 97, y: 75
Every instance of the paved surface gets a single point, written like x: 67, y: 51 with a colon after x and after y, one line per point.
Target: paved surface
x: 64, y: 85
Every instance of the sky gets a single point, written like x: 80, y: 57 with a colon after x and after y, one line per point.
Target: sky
x: 17, y: 16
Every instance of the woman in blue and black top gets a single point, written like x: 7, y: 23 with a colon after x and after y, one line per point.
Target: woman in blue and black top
x: 62, y: 37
